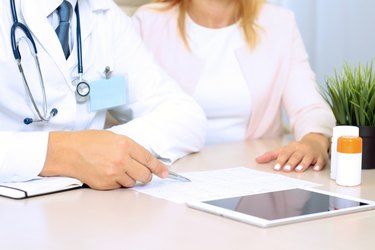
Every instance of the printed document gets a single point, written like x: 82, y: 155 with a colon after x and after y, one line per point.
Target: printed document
x: 218, y: 184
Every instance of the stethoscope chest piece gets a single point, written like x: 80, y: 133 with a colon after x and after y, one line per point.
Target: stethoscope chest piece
x: 82, y: 90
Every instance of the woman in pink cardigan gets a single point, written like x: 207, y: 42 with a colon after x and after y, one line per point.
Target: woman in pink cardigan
x: 243, y: 61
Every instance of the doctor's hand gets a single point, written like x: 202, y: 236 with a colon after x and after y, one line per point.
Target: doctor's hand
x: 101, y: 159
x: 311, y: 150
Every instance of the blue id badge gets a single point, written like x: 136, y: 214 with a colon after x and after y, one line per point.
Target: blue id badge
x: 108, y: 93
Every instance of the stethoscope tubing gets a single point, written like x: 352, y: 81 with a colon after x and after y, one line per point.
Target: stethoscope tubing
x: 17, y: 24
x: 79, y: 41
x: 17, y: 56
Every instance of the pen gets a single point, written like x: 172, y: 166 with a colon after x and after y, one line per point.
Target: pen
x: 174, y: 176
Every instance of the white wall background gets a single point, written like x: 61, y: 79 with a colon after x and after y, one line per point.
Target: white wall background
x: 335, y: 31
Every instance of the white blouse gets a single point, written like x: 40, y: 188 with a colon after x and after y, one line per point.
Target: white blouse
x: 222, y: 90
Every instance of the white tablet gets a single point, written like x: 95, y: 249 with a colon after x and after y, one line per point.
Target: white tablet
x: 282, y: 207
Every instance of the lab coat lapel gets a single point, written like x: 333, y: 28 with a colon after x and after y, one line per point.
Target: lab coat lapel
x: 87, y: 23
x: 87, y: 20
x: 43, y: 33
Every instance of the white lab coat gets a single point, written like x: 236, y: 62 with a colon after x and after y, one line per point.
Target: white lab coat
x: 167, y: 122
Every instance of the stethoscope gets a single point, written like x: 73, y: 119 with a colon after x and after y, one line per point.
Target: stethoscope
x: 81, y: 85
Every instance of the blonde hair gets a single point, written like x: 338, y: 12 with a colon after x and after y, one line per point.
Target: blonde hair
x: 247, y: 12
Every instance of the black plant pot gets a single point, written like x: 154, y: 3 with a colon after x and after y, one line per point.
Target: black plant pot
x: 368, y: 146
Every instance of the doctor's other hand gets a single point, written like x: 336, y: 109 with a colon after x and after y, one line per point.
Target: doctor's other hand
x: 311, y: 150
x: 101, y: 159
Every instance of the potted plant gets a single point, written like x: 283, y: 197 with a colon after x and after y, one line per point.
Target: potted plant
x: 351, y: 96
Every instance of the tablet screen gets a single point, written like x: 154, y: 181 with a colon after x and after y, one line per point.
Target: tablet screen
x: 285, y: 204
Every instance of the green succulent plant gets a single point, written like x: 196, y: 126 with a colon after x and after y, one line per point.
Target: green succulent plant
x: 351, y: 95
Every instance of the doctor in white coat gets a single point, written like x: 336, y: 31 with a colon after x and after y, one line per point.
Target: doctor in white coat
x: 157, y: 119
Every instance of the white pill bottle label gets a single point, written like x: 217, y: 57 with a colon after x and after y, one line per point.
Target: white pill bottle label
x: 336, y: 133
x: 349, y: 161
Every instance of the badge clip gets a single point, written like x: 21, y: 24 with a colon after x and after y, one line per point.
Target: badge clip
x: 107, y: 72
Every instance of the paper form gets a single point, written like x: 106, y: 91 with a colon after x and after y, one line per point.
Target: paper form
x: 218, y: 184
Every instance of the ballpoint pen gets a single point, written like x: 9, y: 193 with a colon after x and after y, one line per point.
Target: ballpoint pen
x: 175, y: 176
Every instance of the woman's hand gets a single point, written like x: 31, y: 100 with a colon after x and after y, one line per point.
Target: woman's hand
x: 311, y: 150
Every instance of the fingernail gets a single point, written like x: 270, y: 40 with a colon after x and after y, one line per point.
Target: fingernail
x: 299, y: 168
x: 316, y: 167
x: 287, y: 168
x: 165, y: 174
x: 277, y: 167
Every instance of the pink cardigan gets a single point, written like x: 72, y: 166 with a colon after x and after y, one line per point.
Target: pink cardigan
x: 277, y: 71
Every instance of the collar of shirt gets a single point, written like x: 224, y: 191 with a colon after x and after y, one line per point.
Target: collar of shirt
x: 49, y: 9
x: 50, y: 6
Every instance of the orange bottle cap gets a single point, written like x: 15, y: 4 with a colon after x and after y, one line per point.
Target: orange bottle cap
x: 349, y: 144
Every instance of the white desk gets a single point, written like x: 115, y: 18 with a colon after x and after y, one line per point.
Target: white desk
x: 125, y: 219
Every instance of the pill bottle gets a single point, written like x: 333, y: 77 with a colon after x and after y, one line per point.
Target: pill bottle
x: 336, y: 133
x: 349, y: 161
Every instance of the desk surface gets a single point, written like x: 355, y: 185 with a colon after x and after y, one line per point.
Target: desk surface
x: 126, y: 219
